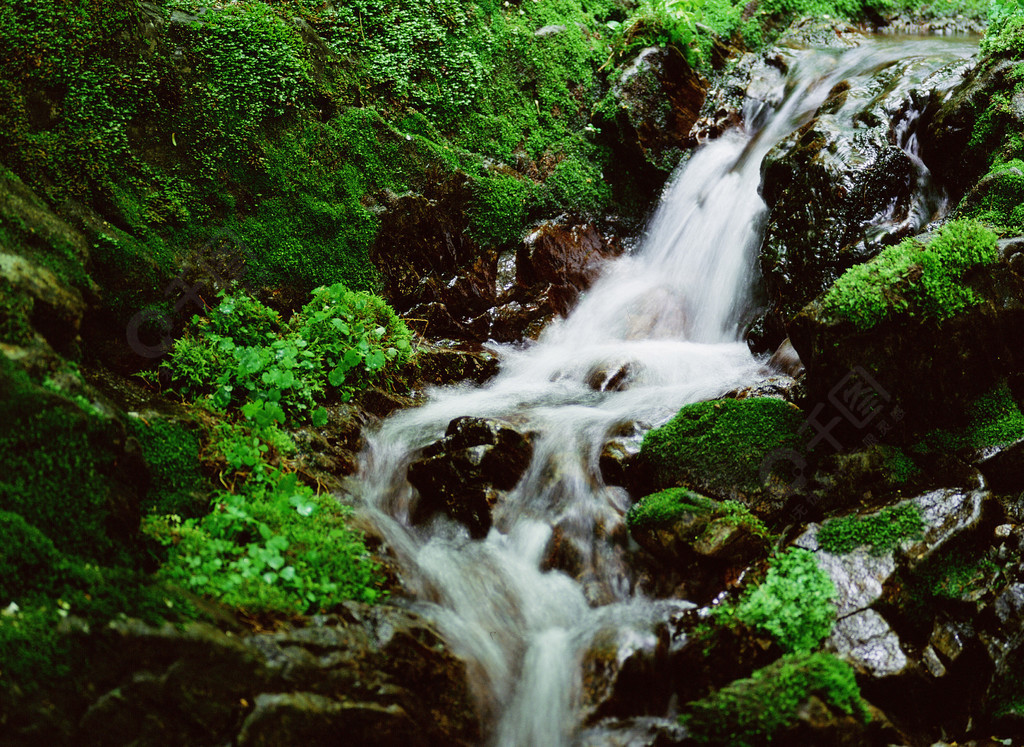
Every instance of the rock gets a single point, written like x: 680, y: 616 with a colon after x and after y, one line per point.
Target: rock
x: 949, y: 124
x: 865, y: 640
x: 438, y: 365
x: 308, y: 718
x: 658, y: 98
x: 563, y: 254
x: 859, y: 576
x: 374, y: 675
x: 785, y: 360
x: 465, y: 474
x: 612, y: 378
x: 1003, y: 468
x: 907, y: 363
x: 846, y: 183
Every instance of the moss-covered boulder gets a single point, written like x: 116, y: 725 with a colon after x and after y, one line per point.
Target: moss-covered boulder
x: 679, y: 526
x: 800, y: 699
x: 914, y: 335
x: 749, y: 450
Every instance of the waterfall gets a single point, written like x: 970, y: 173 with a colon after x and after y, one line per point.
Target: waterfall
x: 672, y: 312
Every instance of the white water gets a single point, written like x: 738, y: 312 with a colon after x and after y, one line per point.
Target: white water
x: 672, y: 312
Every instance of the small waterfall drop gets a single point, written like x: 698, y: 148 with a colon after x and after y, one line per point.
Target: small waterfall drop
x: 671, y: 312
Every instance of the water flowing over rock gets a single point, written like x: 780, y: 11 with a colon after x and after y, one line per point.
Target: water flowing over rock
x: 465, y: 474
x: 850, y: 181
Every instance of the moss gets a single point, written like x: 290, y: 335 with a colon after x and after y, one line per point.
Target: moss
x: 750, y: 711
x: 956, y: 574
x: 171, y: 452
x: 15, y: 315
x: 59, y: 466
x: 499, y: 209
x: 665, y: 507
x: 793, y: 604
x: 998, y: 199
x: 28, y: 558
x: 722, y: 443
x: 914, y: 279
x: 993, y: 419
x: 881, y: 532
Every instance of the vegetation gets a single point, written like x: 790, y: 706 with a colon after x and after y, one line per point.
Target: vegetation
x: 661, y: 509
x: 793, y: 604
x: 914, y: 279
x: 881, y: 532
x: 722, y: 443
x: 750, y: 711
x: 993, y: 419
x: 243, y: 355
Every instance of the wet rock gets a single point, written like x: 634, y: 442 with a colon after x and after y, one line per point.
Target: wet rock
x: 846, y: 184
x: 308, y: 718
x: 1003, y: 468
x: 612, y: 378
x: 865, y: 640
x: 618, y: 460
x: 859, y: 576
x: 658, y: 98
x: 438, y: 366
x: 701, y: 527
x: 465, y: 474
x: 563, y: 254
x: 785, y: 360
x: 950, y: 124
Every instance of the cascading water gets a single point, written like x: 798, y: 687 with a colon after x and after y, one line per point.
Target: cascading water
x: 671, y: 313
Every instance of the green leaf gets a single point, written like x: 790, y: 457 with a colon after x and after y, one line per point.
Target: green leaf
x: 319, y: 417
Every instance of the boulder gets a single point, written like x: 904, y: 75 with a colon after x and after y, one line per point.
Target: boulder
x: 847, y: 183
x: 657, y: 99
x: 372, y: 675
x: 465, y: 474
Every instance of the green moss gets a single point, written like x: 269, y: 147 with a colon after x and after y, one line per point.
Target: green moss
x: 498, y: 210
x: 999, y: 197
x: 60, y: 461
x: 914, y: 280
x: 956, y: 574
x: 15, y: 315
x: 881, y: 532
x: 793, y: 604
x: 750, y: 711
x: 722, y: 443
x: 171, y: 452
x: 993, y: 419
x: 664, y: 507
x: 28, y: 559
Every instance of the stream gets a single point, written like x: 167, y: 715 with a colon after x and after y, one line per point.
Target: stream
x: 671, y: 313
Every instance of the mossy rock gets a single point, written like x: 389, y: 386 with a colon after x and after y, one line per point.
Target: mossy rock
x: 922, y: 331
x: 677, y: 525
x: 745, y: 450
x: 71, y: 473
x: 775, y: 705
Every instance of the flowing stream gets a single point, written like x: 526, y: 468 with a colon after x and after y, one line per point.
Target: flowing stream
x: 672, y: 312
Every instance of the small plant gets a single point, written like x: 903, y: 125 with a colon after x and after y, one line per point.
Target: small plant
x: 881, y: 532
x: 274, y: 545
x: 241, y: 356
x: 793, y: 604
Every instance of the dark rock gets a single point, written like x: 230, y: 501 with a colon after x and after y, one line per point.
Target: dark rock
x: 906, y: 364
x: 375, y: 675
x: 618, y: 460
x: 438, y: 366
x: 308, y: 718
x: 785, y: 360
x: 659, y: 97
x: 465, y: 474
x: 950, y: 125
x: 612, y: 378
x: 1003, y: 468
